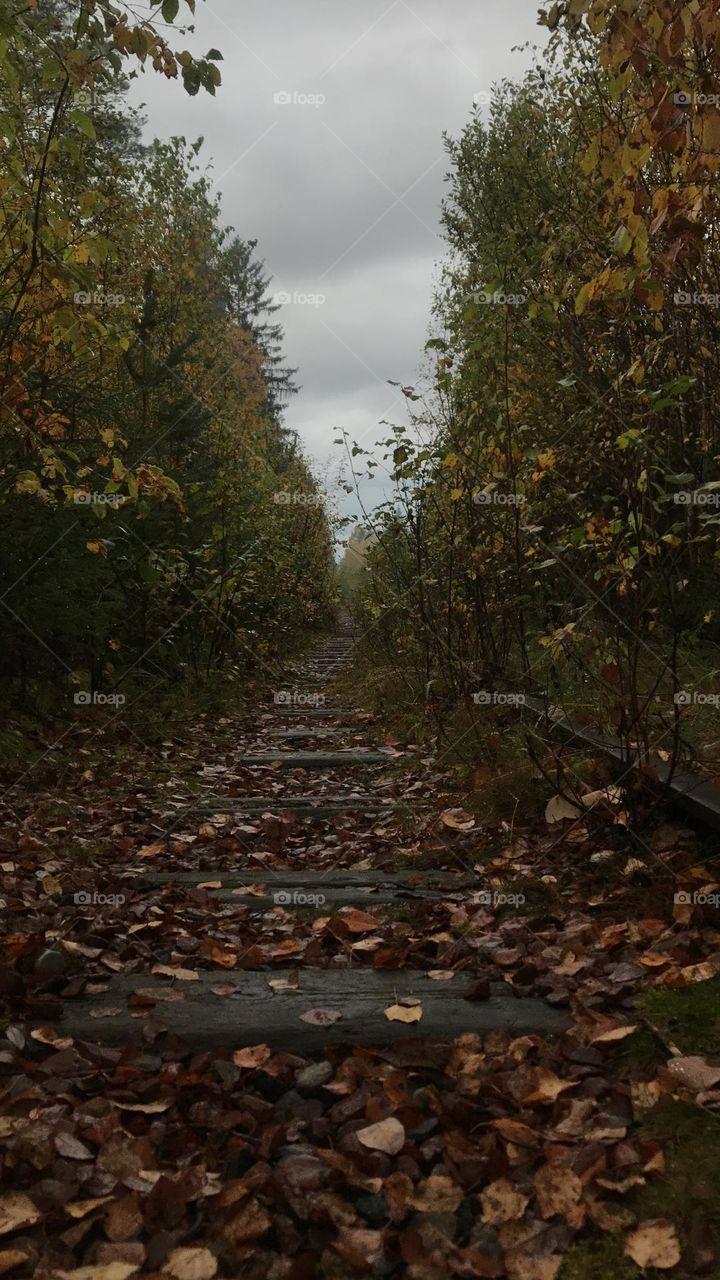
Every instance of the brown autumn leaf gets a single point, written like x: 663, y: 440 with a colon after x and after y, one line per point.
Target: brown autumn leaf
x: 151, y: 850
x: 558, y: 809
x: 100, y: 1271
x: 251, y: 1057
x: 387, y: 1135
x: 559, y: 1192
x: 182, y: 975
x: 694, y: 1073
x: 436, y: 1194
x: 612, y: 1034
x: 190, y: 1264
x: 79, y: 1208
x: 654, y: 1243
x: 16, y: 1211
x: 359, y: 1246
x: 321, y: 1017
x: 222, y: 956
x: 357, y: 921
x: 457, y: 820
x: 123, y: 1218
x: 404, y: 1013
x: 10, y: 1258
x: 502, y: 1203
x: 251, y: 1222
x: 545, y: 1086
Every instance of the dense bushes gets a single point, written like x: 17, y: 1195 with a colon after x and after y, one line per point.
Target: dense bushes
x: 142, y: 445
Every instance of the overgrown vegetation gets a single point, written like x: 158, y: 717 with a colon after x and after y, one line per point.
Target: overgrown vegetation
x: 144, y: 464
x: 554, y: 530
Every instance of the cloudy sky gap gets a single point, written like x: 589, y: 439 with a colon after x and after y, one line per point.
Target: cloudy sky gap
x: 326, y: 145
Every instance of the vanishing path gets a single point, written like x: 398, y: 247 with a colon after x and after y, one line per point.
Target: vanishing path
x: 310, y: 770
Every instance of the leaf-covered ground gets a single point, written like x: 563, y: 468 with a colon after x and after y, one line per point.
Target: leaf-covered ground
x: 492, y: 1156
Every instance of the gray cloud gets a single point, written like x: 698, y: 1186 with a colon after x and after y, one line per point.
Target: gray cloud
x: 343, y: 197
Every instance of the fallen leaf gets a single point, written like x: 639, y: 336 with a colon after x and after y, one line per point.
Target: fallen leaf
x: 502, y: 1203
x: 150, y: 850
x: 321, y: 1017
x: 101, y: 1271
x: 558, y: 1192
x: 558, y: 809
x: 387, y: 1135
x: 252, y: 1057
x: 16, y: 1211
x: 190, y: 1264
x: 404, y: 1013
x: 654, y: 1244
x: 694, y: 1073
x: 457, y: 820
x: 182, y: 975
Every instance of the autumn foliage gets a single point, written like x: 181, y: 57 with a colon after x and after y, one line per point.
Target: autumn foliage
x: 142, y: 444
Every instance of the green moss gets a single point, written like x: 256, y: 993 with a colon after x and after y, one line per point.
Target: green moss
x: 598, y: 1258
x: 690, y: 1016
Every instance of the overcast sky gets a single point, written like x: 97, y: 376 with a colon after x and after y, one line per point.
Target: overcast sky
x: 341, y: 185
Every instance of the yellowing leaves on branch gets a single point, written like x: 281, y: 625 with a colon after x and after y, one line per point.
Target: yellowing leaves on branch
x: 141, y: 375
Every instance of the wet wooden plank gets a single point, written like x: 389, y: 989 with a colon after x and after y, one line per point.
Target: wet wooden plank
x: 316, y: 759
x: 255, y: 1013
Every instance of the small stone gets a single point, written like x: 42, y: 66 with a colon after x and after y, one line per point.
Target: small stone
x: 373, y: 1209
x: 314, y: 1076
